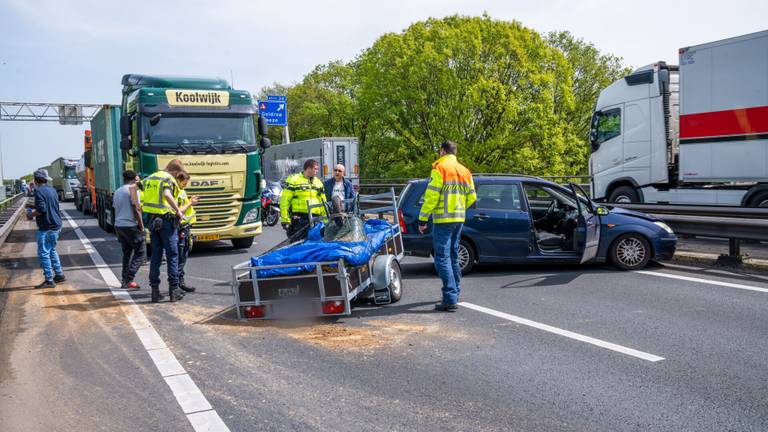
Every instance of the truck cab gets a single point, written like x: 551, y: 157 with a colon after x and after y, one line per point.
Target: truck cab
x: 214, y: 130
x: 633, y: 135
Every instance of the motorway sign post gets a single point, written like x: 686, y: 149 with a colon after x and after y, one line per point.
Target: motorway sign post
x: 275, y: 110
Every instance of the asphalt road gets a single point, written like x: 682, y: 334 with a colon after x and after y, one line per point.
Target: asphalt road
x: 547, y: 348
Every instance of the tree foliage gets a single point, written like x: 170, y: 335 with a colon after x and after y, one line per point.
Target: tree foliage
x: 513, y: 100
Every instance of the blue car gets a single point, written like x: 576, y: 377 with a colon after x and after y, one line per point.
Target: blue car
x: 519, y: 219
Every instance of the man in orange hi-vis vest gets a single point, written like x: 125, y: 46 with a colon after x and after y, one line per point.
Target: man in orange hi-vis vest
x: 449, y: 193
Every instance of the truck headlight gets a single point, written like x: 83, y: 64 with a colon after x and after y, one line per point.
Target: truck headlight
x: 252, y: 216
x: 664, y: 226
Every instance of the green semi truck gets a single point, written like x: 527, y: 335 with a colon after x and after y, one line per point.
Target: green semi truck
x: 212, y: 128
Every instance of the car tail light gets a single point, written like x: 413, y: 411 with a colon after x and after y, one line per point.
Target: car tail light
x: 401, y: 220
x: 254, y: 311
x: 333, y: 307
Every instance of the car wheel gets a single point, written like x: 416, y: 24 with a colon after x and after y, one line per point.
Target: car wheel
x: 242, y: 243
x: 630, y: 252
x: 467, y: 257
x: 624, y: 194
x: 396, y: 282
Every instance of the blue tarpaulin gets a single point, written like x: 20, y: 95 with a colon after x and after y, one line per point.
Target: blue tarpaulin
x: 314, y: 249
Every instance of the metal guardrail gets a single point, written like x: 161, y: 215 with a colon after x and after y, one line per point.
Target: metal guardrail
x: 732, y: 223
x: 9, y: 211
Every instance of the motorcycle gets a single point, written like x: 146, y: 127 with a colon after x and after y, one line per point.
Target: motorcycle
x: 270, y: 204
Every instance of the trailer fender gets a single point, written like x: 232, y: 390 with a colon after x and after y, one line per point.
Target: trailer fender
x: 380, y: 272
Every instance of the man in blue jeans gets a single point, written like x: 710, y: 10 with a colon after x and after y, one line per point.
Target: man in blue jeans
x: 47, y: 215
x: 449, y: 193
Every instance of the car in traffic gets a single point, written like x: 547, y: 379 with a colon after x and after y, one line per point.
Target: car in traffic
x: 522, y: 219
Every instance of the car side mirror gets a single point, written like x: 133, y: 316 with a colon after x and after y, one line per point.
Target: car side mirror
x: 602, y: 211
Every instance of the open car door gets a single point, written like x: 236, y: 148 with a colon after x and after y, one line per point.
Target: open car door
x: 587, y: 231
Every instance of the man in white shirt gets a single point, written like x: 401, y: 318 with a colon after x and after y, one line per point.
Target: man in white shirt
x: 339, y: 186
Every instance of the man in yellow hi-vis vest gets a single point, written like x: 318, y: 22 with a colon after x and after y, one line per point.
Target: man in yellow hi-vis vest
x: 449, y: 193
x: 160, y: 203
x: 300, y: 188
x: 186, y: 205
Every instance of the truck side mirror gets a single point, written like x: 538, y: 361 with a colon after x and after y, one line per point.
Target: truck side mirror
x: 263, y: 128
x: 125, y: 144
x: 125, y: 126
x: 265, y: 143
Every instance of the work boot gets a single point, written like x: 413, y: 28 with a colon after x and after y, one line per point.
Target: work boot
x: 184, y: 287
x: 156, y: 296
x: 446, y: 307
x: 59, y: 278
x: 46, y: 284
x: 176, y: 294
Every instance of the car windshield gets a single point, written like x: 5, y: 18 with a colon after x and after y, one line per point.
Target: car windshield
x: 199, y: 133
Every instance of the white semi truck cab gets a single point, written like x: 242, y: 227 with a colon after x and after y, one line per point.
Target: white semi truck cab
x: 690, y: 134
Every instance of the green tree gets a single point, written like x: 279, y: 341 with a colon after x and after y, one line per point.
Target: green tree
x: 495, y: 87
x: 592, y: 72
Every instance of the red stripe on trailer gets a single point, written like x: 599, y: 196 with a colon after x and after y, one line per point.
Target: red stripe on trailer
x: 742, y: 121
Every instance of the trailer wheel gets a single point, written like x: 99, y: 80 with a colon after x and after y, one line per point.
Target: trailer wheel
x: 396, y: 282
x: 624, y: 194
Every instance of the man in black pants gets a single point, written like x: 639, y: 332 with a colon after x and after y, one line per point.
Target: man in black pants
x: 129, y: 227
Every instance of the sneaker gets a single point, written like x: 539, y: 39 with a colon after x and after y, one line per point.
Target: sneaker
x: 130, y: 286
x: 46, y: 284
x: 59, y: 278
x: 446, y: 307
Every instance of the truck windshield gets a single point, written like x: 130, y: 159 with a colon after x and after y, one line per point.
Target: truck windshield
x: 69, y: 172
x: 199, y: 133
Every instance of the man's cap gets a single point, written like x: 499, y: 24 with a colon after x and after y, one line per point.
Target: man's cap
x: 42, y: 174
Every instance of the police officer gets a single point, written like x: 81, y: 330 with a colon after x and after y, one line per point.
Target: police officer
x: 160, y: 203
x: 186, y: 205
x: 300, y: 187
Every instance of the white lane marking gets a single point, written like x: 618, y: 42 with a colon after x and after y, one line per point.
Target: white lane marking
x: 207, y: 279
x: 704, y: 281
x: 565, y: 333
x: 196, y: 407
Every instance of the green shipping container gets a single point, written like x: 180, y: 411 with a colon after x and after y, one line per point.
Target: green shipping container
x: 107, y: 156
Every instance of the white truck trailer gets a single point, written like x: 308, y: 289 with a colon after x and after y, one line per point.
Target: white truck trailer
x: 696, y: 133
x: 282, y: 160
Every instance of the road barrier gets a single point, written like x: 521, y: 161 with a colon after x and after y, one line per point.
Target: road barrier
x: 732, y: 223
x: 10, y: 209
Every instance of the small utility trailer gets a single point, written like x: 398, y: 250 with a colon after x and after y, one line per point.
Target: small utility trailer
x: 326, y: 287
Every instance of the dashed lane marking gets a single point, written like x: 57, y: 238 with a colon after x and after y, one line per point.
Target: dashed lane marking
x: 703, y: 281
x: 566, y: 333
x: 193, y: 403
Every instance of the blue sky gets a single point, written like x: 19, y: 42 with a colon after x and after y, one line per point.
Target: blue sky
x: 76, y: 50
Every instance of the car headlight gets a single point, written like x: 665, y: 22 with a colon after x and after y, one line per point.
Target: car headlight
x: 252, y: 216
x: 664, y: 226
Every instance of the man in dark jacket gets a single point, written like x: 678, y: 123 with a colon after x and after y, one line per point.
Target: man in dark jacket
x: 46, y: 213
x: 340, y: 186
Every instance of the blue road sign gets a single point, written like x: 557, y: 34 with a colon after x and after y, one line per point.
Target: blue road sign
x: 275, y: 111
x: 276, y: 98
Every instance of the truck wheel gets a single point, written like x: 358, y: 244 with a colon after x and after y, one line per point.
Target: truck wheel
x: 242, y: 243
x: 759, y: 200
x: 630, y: 252
x: 396, y: 282
x: 624, y: 194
